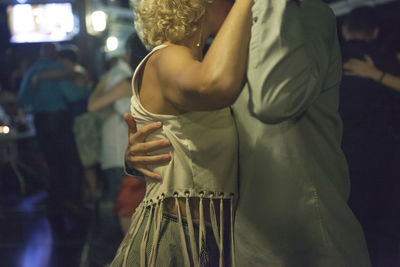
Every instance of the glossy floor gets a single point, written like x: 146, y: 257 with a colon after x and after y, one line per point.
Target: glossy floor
x: 34, y: 235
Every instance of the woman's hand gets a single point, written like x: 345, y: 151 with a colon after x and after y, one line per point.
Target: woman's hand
x: 363, y: 69
x: 136, y: 153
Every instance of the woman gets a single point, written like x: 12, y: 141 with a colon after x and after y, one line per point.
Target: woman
x: 186, y: 220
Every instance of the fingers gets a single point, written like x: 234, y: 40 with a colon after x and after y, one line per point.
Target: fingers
x: 150, y: 174
x: 148, y: 160
x: 147, y: 147
x: 369, y: 60
x: 350, y: 73
x: 136, y: 154
x: 130, y: 120
x: 347, y: 66
x: 354, y: 61
x: 144, y: 132
x: 351, y: 64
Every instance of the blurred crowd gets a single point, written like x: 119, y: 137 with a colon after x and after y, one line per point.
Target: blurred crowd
x: 77, y: 149
x: 79, y: 137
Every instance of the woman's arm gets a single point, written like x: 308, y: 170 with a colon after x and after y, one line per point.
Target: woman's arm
x: 98, y: 90
x: 54, y: 74
x: 49, y: 75
x: 76, y: 71
x: 216, y: 81
x: 101, y: 99
x: 367, y: 69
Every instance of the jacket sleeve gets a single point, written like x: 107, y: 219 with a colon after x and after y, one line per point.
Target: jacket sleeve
x: 287, y: 61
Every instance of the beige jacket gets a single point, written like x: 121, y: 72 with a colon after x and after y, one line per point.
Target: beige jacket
x: 294, y: 181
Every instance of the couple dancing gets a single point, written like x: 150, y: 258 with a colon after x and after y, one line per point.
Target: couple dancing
x: 287, y: 206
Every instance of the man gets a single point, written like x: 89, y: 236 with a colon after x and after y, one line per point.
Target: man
x: 368, y: 109
x: 294, y: 182
x: 53, y: 126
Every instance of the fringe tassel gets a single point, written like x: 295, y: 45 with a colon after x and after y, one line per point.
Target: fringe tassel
x: 155, y: 219
x: 221, y: 232
x: 183, y: 238
x: 192, y: 239
x: 233, y: 257
x: 156, y: 237
x: 145, y: 238
x: 213, y: 218
x: 202, y: 232
x: 134, y: 230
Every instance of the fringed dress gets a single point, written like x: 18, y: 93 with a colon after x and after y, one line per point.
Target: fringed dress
x: 187, y: 219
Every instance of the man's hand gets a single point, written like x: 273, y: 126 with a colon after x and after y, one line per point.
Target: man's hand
x: 136, y: 154
x: 361, y: 68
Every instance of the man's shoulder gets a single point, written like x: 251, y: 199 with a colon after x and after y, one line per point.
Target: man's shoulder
x: 318, y: 19
x: 324, y: 10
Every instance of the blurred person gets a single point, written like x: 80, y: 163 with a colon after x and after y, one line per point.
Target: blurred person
x: 294, y: 181
x: 53, y: 125
x: 75, y: 83
x: 111, y: 96
x: 356, y: 28
x: 17, y: 74
x: 368, y: 107
x: 73, y: 79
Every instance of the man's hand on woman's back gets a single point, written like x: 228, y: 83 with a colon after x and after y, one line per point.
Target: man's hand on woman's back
x: 136, y: 153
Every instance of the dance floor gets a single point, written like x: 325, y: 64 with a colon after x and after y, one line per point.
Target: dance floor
x: 34, y: 234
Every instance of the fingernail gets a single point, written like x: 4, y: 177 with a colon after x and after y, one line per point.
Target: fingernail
x: 159, y: 123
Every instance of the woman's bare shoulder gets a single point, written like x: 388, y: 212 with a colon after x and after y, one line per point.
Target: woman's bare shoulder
x: 171, y: 60
x: 173, y: 54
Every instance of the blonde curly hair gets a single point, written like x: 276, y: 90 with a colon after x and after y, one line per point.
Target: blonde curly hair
x: 158, y: 21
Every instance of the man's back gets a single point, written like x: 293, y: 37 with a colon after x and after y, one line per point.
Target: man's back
x: 294, y: 180
x: 47, y: 96
x: 363, y: 101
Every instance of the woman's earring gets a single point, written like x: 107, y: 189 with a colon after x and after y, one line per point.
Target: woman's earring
x: 201, y: 26
x: 198, y: 43
x: 201, y: 31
